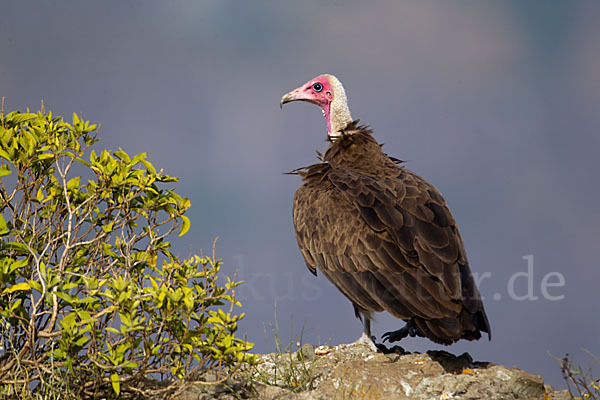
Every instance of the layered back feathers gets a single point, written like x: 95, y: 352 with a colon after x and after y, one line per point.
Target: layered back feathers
x: 386, y: 239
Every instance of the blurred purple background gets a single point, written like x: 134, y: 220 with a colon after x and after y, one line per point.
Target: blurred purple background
x: 496, y: 103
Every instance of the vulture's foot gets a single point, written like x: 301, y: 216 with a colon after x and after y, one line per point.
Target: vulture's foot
x: 364, y: 340
x: 408, y: 330
x: 391, y: 350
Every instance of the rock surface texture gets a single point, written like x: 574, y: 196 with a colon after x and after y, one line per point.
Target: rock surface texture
x: 356, y: 372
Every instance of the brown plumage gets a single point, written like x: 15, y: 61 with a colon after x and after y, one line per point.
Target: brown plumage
x: 386, y: 239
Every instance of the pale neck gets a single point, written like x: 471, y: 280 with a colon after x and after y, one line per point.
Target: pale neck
x: 338, y: 116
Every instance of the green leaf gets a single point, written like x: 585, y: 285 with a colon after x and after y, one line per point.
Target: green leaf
x: 73, y: 183
x: 15, y: 305
x: 84, y: 316
x: 17, y: 246
x: 17, y: 287
x: 45, y: 156
x: 3, y: 227
x: 116, y: 385
x: 69, y: 285
x: 5, y: 155
x: 137, y: 158
x: 81, y: 341
x: 185, y: 225
x: 125, y: 319
x: 17, y: 265
x: 65, y: 296
x: 82, y: 161
x: 122, y: 155
x: 108, y: 227
x: 130, y: 365
x: 69, y: 322
x: 167, y: 178
x: 189, y: 302
x: 4, y: 171
x: 153, y: 282
x: 22, y: 117
x: 85, y: 300
x: 36, y: 285
x: 149, y: 166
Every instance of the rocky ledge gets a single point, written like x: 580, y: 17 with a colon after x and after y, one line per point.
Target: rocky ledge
x: 356, y: 372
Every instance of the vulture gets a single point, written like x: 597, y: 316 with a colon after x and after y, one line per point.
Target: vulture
x: 380, y: 233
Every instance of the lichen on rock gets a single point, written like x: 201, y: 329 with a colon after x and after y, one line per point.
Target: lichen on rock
x: 355, y: 372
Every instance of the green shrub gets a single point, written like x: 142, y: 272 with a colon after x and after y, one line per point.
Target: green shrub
x: 92, y: 300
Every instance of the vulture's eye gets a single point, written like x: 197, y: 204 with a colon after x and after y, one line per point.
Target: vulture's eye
x: 317, y: 87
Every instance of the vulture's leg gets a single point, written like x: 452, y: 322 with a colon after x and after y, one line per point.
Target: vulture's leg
x: 366, y: 338
x: 408, y: 330
x: 367, y: 328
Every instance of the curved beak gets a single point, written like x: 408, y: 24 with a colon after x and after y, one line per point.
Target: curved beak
x: 296, y: 95
x: 286, y: 98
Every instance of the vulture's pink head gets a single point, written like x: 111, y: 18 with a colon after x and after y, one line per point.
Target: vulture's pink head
x: 327, y: 92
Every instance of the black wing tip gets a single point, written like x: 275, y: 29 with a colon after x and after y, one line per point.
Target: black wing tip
x: 481, y: 323
x: 397, y: 160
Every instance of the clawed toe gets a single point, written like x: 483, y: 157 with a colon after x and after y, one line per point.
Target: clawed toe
x: 408, y: 330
